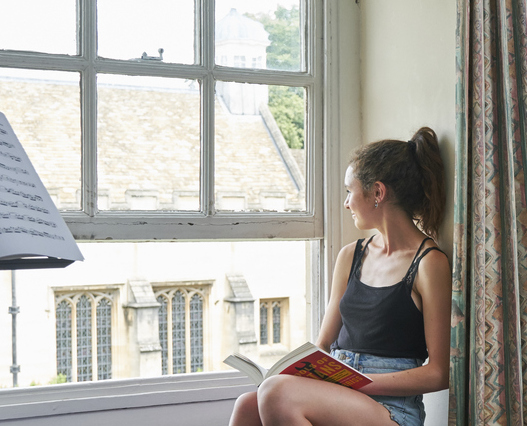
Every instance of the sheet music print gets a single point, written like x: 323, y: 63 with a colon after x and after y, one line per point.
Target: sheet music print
x: 28, y: 216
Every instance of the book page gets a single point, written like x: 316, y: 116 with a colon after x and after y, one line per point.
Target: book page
x: 255, y: 372
x: 31, y: 224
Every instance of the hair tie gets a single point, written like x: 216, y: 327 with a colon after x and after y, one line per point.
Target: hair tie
x: 412, y: 145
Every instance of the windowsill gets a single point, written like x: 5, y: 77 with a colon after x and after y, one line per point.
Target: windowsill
x: 75, y: 398
x: 276, y: 349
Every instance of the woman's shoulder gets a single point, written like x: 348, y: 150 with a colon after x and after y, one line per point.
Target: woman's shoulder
x: 434, y: 267
x: 346, y: 253
x: 349, y: 249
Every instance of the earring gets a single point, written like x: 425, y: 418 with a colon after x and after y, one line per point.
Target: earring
x: 376, y: 204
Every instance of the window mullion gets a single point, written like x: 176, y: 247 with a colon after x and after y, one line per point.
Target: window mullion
x: 207, y: 108
x: 88, y: 49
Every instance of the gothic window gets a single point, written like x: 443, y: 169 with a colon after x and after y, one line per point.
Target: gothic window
x: 181, y: 328
x: 272, y: 318
x: 84, y: 336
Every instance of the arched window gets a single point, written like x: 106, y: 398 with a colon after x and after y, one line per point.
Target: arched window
x: 181, y: 329
x: 84, y: 327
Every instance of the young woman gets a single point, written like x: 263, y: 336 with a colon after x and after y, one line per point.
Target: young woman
x: 389, y: 308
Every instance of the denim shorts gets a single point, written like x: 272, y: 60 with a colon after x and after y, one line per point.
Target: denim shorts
x: 404, y: 410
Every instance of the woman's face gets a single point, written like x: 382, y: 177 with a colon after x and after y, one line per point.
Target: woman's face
x: 360, y: 205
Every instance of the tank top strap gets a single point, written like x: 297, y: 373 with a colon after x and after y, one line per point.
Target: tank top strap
x: 412, y: 271
x: 360, y: 248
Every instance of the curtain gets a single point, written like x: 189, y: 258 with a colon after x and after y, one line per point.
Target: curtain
x: 489, y: 310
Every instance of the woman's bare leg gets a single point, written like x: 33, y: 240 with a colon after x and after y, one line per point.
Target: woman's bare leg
x: 298, y: 401
x: 245, y: 411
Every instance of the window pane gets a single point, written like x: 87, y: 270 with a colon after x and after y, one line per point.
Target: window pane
x: 43, y: 108
x: 262, y: 34
x: 63, y: 336
x: 178, y: 334
x: 104, y: 339
x: 264, y: 330
x: 84, y: 336
x: 148, y: 143
x: 127, y: 29
x: 204, y: 297
x: 277, y: 322
x: 37, y: 26
x: 260, y: 156
x: 196, y: 334
x: 163, y: 333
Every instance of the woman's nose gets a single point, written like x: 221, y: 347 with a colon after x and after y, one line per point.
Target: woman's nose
x: 346, y: 202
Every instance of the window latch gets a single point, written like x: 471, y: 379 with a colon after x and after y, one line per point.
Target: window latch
x: 159, y: 58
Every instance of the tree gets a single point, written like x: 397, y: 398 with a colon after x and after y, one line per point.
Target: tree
x: 285, y: 103
x: 287, y: 107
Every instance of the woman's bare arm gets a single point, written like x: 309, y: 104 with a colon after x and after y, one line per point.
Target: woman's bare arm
x: 332, y: 321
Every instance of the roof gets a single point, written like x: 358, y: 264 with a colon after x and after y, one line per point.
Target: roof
x: 148, y: 140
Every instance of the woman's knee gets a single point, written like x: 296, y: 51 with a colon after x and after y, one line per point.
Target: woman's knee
x: 245, y: 410
x: 275, y: 393
x: 246, y: 403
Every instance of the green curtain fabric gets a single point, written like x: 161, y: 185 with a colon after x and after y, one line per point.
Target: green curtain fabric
x: 488, y: 345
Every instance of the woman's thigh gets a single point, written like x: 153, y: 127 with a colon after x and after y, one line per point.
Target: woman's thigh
x: 284, y: 399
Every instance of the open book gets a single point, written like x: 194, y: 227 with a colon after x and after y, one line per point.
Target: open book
x: 33, y: 234
x: 306, y: 361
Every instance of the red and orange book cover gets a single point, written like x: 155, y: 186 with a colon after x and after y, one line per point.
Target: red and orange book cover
x: 306, y: 361
x: 322, y: 366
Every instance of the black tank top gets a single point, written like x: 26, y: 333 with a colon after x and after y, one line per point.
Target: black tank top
x: 382, y: 321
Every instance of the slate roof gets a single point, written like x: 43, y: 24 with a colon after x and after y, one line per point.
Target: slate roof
x: 149, y: 140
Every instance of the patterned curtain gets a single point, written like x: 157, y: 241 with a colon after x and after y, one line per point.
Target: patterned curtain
x: 489, y: 353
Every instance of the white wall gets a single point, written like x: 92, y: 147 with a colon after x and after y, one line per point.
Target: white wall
x: 408, y: 77
x: 408, y: 80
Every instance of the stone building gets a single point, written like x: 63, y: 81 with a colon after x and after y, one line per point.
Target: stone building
x: 140, y: 309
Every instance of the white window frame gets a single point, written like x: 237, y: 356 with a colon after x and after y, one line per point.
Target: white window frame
x: 341, y: 122
x: 92, y: 224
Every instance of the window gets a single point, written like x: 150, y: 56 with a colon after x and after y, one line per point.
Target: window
x: 272, y: 314
x: 182, y: 322
x: 143, y: 116
x: 158, y: 137
x: 84, y: 336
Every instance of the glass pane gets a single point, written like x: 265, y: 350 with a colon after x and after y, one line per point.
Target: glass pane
x: 37, y: 26
x: 104, y: 340
x: 135, y: 29
x: 43, y: 108
x: 260, y: 155
x: 63, y: 336
x: 277, y: 323
x: 264, y: 331
x: 211, y: 289
x: 148, y: 132
x: 260, y: 34
x: 179, y: 341
x: 84, y: 336
x: 163, y: 332
x: 196, y: 334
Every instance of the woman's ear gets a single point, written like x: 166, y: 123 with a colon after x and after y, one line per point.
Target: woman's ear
x: 380, y: 192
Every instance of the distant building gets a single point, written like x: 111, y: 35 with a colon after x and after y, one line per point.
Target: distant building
x: 144, y: 309
x: 241, y: 42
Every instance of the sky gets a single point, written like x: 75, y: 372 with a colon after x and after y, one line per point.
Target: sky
x: 127, y: 28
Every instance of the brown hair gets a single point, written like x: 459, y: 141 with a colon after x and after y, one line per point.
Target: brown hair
x: 413, y: 173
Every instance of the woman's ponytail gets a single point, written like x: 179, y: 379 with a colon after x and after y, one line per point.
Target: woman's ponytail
x: 429, y: 160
